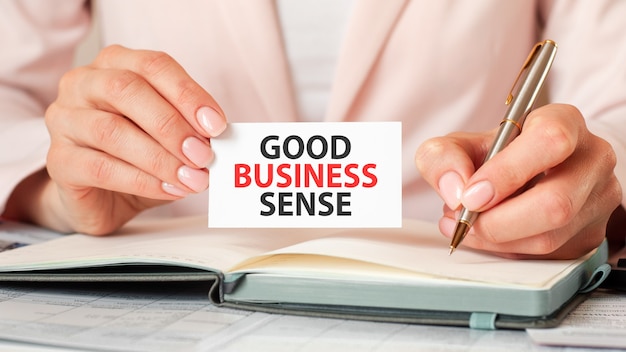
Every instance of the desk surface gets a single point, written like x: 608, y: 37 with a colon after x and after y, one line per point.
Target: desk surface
x: 171, y: 319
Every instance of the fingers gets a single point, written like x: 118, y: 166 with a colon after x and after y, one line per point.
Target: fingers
x: 127, y: 148
x: 543, y: 221
x: 577, y: 192
x: 101, y: 170
x: 172, y: 82
x: 145, y: 113
x: 446, y: 163
x: 549, y: 136
x: 125, y: 94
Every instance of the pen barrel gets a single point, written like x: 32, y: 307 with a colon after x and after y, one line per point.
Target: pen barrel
x: 523, y: 99
x: 507, y: 132
x: 467, y: 216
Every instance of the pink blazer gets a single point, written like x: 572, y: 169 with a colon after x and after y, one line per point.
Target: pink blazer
x: 437, y: 66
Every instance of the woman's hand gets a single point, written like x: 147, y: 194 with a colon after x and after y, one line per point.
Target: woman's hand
x: 128, y: 132
x: 566, y: 172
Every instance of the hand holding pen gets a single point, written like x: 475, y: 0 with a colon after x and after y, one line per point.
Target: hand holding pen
x: 520, y: 100
x: 564, y: 212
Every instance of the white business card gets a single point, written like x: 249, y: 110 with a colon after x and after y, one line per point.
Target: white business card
x: 302, y: 174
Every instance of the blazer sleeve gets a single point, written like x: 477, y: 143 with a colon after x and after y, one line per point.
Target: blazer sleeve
x: 590, y: 68
x: 37, y: 41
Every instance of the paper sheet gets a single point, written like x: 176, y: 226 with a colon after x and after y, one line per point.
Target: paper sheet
x: 142, y: 318
x: 15, y: 235
x: 600, y: 321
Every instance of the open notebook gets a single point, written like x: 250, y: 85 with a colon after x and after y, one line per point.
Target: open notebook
x: 403, y: 275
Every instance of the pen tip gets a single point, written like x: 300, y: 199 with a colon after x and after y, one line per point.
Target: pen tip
x: 460, y: 231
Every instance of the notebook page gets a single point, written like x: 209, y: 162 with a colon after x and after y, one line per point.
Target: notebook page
x: 418, y: 248
x: 185, y: 241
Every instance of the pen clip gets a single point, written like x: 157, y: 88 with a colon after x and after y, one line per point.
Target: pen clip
x: 530, y: 57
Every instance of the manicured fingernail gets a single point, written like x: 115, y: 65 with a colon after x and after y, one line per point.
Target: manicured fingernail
x: 199, y: 153
x: 197, y: 180
x: 478, y: 195
x: 211, y: 121
x: 451, y: 188
x: 173, y: 190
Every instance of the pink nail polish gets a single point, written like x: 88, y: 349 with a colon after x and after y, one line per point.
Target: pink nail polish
x: 478, y: 195
x: 211, y: 121
x: 451, y: 188
x: 197, y: 180
x: 173, y: 190
x: 199, y: 153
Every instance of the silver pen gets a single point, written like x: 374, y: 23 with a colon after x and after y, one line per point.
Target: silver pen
x: 520, y: 101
